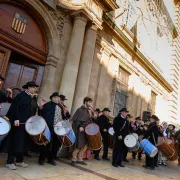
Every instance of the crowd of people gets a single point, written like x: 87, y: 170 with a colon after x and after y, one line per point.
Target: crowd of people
x: 18, y: 142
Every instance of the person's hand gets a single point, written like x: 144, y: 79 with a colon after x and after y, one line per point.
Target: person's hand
x: 81, y: 129
x: 119, y: 137
x: 9, y: 92
x: 16, y: 122
x: 65, y: 110
x: 141, y: 128
x: 105, y: 130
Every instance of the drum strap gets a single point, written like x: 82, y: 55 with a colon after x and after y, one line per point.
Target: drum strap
x: 123, y: 126
x: 154, y: 139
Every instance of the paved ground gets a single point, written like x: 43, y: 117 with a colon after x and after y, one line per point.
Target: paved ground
x: 96, y: 170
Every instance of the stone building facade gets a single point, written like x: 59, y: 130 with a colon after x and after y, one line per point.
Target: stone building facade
x: 88, y: 47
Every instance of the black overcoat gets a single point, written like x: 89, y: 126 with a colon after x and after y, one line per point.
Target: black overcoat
x: 103, y: 123
x: 48, y: 113
x: 22, y: 108
x: 152, y: 133
x: 121, y: 128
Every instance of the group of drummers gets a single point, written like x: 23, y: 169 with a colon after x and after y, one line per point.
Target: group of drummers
x: 47, y: 128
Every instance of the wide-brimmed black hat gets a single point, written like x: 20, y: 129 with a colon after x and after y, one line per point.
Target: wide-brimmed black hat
x: 2, y: 78
x: 30, y: 84
x: 54, y: 94
x: 155, y: 117
x: 124, y: 110
x: 98, y: 110
x: 172, y: 126
x: 106, y: 109
x: 138, y: 118
x: 63, y: 98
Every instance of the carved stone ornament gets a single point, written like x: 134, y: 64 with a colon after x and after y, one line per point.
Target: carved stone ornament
x: 59, y: 16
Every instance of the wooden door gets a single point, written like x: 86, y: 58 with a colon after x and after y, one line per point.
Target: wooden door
x: 19, y: 74
x: 4, y: 59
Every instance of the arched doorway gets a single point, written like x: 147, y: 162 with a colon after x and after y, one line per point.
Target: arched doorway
x: 23, y: 46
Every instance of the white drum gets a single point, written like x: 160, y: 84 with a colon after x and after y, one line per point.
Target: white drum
x: 130, y: 141
x: 37, y: 128
x: 4, y: 128
x: 35, y: 125
x: 65, y: 133
x: 111, y: 131
x: 62, y: 128
x: 4, y: 107
x: 135, y: 135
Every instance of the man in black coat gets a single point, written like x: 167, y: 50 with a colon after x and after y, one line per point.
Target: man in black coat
x: 121, y: 129
x: 5, y: 95
x: 23, y: 107
x: 104, y: 125
x: 152, y: 135
x: 139, y: 130
x: 52, y: 112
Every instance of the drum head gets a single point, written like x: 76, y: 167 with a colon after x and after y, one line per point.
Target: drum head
x: 130, y: 141
x: 92, y: 129
x: 154, y: 153
x: 4, y: 107
x: 35, y: 125
x: 4, y: 126
x: 135, y: 135
x: 62, y: 128
x: 111, y: 131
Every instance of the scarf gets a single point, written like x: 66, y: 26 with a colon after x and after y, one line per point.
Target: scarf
x: 58, y: 115
x: 30, y: 94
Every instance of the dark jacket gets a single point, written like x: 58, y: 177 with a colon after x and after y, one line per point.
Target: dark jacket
x: 22, y: 108
x: 121, y: 127
x: 3, y: 97
x: 152, y: 133
x: 138, y: 130
x: 103, y: 123
x: 81, y: 118
x: 48, y: 113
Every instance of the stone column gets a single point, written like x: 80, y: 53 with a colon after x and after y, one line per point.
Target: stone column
x: 103, y: 92
x: 71, y: 67
x: 84, y: 73
x: 48, y: 86
x: 64, y: 44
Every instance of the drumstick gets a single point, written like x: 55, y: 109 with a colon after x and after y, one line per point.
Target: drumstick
x: 61, y: 126
x: 22, y: 123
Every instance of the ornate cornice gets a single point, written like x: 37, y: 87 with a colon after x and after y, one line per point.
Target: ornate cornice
x: 52, y: 60
x: 88, y: 7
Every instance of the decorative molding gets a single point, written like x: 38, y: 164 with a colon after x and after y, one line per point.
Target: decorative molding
x: 93, y: 27
x: 52, y: 60
x: 81, y: 17
x: 59, y: 16
x: 89, y: 8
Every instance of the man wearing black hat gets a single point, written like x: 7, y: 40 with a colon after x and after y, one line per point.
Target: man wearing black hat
x: 23, y: 107
x: 65, y: 114
x: 81, y: 118
x: 52, y: 113
x: 104, y: 125
x: 139, y: 130
x: 152, y: 135
x: 5, y: 95
x: 121, y: 129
